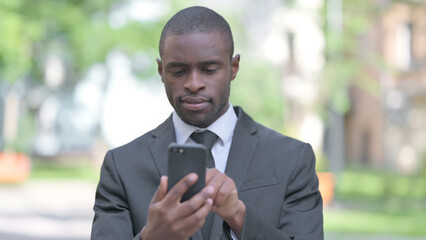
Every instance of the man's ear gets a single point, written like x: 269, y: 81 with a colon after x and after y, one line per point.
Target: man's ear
x: 160, y: 67
x: 235, y: 66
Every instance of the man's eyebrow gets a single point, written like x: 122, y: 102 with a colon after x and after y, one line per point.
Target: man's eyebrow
x: 210, y: 62
x: 175, y: 64
x: 203, y: 63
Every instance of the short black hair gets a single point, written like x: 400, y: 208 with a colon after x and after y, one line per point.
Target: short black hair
x: 197, y: 20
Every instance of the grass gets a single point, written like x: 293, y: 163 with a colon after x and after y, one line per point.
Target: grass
x: 65, y: 169
x: 409, y: 223
x: 375, y: 202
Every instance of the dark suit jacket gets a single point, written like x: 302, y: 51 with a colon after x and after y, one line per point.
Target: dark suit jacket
x: 275, y: 176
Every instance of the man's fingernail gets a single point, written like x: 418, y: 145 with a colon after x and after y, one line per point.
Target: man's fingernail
x: 210, y: 201
x: 192, y: 177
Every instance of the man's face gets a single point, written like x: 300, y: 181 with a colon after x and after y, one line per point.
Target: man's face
x: 197, y: 72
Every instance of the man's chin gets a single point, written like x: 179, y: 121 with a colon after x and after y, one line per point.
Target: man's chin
x: 198, y: 120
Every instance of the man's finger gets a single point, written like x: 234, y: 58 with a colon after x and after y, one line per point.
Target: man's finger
x: 226, y: 189
x: 210, y: 173
x: 216, y: 181
x: 176, y: 192
x: 195, y: 221
x: 161, y: 190
x: 196, y: 202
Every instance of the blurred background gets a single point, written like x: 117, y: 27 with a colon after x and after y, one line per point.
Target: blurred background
x: 349, y: 77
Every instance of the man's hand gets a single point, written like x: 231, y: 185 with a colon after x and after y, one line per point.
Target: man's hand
x: 225, y: 199
x: 168, y: 218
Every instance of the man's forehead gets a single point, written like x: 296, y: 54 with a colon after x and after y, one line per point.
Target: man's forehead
x: 212, y: 36
x: 204, y: 43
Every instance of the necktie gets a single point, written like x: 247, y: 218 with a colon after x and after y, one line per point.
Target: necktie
x: 208, y: 139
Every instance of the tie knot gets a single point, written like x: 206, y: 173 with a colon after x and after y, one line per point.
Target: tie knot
x: 207, y: 138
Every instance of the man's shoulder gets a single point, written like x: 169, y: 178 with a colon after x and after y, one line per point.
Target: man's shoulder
x: 145, y: 139
x: 269, y: 135
x: 264, y: 133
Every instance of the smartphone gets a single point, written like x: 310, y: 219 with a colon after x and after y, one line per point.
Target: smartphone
x: 185, y: 159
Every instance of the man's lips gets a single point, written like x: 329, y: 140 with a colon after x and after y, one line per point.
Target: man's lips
x: 194, y: 100
x: 194, y: 103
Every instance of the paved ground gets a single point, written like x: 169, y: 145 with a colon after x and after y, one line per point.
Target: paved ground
x: 62, y: 210
x: 44, y: 210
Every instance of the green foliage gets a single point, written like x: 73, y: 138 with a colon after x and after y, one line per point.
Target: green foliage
x: 382, y: 184
x: 422, y: 171
x: 78, y: 31
x: 347, y: 60
x: 322, y: 162
x: 26, y: 131
x: 15, y: 41
x: 257, y: 89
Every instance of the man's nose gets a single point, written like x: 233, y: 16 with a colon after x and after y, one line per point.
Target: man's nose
x: 194, y: 82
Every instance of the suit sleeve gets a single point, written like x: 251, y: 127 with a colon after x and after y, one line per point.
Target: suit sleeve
x: 301, y: 214
x: 112, y: 217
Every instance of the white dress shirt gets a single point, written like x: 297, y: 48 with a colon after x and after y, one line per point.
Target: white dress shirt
x: 223, y: 127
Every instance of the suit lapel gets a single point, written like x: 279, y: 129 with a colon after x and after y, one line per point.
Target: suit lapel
x: 241, y: 154
x: 163, y: 135
x: 243, y: 147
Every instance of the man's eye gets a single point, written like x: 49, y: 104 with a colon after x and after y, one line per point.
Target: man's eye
x: 210, y: 70
x: 177, y: 72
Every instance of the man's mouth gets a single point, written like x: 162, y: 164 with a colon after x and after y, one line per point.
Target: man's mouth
x: 194, y: 103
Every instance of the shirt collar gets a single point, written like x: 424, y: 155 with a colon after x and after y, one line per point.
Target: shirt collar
x: 223, y: 127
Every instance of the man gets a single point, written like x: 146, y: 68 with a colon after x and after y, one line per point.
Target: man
x: 263, y: 185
